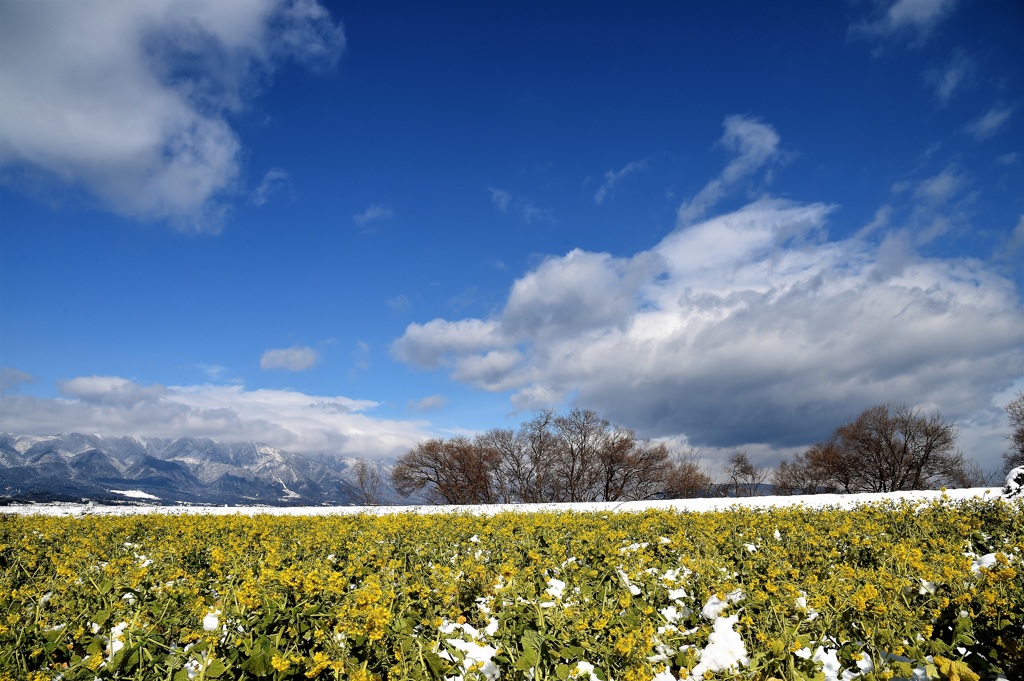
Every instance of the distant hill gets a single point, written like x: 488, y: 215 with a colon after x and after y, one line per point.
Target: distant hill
x: 73, y: 467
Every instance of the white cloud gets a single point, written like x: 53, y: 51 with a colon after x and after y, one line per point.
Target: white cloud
x: 750, y: 327
x: 375, y: 213
x: 426, y: 345
x: 754, y: 143
x: 295, y: 421
x: 990, y: 123
x: 952, y: 77
x: 298, y: 358
x: 128, y: 100
x: 274, y: 179
x: 612, y: 178
x: 917, y: 16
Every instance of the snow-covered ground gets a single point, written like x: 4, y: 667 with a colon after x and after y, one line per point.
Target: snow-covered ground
x: 696, y: 505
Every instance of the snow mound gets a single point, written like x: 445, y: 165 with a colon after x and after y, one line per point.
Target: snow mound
x: 1014, y: 483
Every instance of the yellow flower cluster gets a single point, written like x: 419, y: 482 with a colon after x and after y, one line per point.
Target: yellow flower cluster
x: 882, y: 590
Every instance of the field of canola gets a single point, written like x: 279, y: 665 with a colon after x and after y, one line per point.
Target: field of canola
x: 891, y: 590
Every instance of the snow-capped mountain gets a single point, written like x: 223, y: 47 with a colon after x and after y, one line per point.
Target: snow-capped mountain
x: 74, y: 466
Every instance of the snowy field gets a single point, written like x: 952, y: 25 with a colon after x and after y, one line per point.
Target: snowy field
x: 473, y: 650
x: 684, y: 505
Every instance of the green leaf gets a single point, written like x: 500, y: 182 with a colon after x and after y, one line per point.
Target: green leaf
x: 562, y: 671
x: 215, y: 669
x: 528, y: 660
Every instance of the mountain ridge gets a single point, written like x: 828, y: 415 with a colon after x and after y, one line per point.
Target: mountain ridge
x: 77, y: 466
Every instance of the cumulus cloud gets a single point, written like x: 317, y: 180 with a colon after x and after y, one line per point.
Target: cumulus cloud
x: 298, y: 358
x: 612, y: 178
x: 274, y: 179
x: 111, y: 405
x: 750, y: 327
x: 754, y: 144
x: 990, y: 123
x: 375, y: 213
x: 916, y: 16
x: 129, y: 100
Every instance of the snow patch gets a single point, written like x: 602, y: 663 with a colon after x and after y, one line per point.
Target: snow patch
x: 134, y: 494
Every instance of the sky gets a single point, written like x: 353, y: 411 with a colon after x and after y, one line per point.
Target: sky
x: 346, y: 227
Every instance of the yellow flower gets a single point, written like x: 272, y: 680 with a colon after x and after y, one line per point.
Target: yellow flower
x: 280, y: 663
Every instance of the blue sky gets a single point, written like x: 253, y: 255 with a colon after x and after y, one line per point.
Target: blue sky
x: 347, y: 226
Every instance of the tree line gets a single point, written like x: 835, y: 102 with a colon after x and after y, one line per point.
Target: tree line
x: 581, y: 457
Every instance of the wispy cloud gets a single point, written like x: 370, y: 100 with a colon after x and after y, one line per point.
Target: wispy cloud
x: 951, y: 78
x: 527, y: 211
x: 297, y: 358
x: 361, y: 356
x: 754, y: 144
x: 274, y: 179
x: 500, y: 198
x: 940, y: 188
x: 990, y: 123
x: 428, y: 404
x: 398, y: 303
x: 288, y: 419
x: 12, y: 379
x: 612, y: 178
x: 919, y: 17
x: 1014, y: 246
x: 375, y: 213
x: 85, y: 96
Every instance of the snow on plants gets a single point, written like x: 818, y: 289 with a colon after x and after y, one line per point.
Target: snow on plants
x: 898, y: 589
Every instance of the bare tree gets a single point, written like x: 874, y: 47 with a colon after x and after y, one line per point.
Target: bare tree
x: 614, y: 460
x: 788, y: 478
x: 888, y: 448
x: 453, y: 471
x: 821, y: 469
x: 743, y: 479
x: 526, y: 459
x: 581, y: 435
x: 897, y: 448
x: 970, y: 475
x: 687, y: 478
x: 575, y: 457
x: 368, y: 481
x: 631, y: 469
x: 1014, y: 457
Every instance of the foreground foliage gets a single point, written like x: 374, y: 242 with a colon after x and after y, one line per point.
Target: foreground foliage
x: 890, y: 590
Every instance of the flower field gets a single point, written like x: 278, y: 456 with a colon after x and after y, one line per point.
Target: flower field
x: 897, y: 589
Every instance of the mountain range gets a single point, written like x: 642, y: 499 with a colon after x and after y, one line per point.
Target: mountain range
x: 76, y: 467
